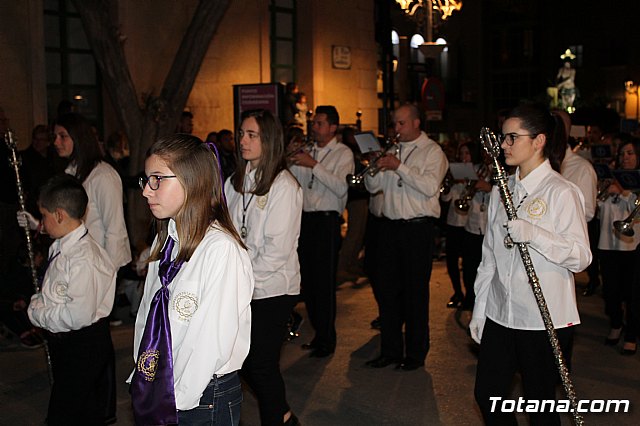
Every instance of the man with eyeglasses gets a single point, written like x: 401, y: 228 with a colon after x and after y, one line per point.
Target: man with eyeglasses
x: 322, y: 174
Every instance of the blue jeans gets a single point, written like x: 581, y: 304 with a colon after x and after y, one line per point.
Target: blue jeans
x: 219, y: 405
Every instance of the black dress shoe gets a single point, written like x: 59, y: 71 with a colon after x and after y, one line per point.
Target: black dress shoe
x: 293, y: 421
x: 308, y: 346
x: 382, y: 361
x: 320, y: 353
x: 375, y: 324
x: 455, y: 302
x: 409, y: 364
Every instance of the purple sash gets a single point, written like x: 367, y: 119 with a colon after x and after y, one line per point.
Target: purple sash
x: 152, y: 393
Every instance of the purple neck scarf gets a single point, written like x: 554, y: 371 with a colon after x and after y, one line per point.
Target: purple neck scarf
x: 152, y: 392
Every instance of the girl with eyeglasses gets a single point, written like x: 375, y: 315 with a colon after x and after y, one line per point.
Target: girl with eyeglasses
x: 506, y: 320
x: 192, y: 331
x: 265, y: 202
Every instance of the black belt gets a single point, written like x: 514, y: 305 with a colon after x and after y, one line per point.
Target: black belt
x: 322, y: 213
x: 413, y: 220
x: 85, y: 331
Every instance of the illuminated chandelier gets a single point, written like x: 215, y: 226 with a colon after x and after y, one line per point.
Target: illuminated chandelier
x: 445, y: 7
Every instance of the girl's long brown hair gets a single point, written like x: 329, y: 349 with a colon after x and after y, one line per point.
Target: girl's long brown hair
x: 197, y: 169
x: 272, y: 161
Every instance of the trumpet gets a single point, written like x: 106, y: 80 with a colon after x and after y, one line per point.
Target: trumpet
x: 372, y: 169
x: 604, y: 194
x: 625, y: 227
x: 470, y: 190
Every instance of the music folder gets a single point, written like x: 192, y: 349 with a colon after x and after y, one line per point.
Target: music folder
x: 367, y: 142
x: 628, y: 179
x: 461, y: 171
x: 601, y: 151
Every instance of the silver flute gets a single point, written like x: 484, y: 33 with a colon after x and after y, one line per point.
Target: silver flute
x: 491, y: 145
x: 15, y: 163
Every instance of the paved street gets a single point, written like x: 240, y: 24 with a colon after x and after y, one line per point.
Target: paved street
x: 340, y: 390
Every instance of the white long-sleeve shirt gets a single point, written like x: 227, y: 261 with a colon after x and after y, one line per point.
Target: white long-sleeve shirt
x: 580, y: 171
x: 454, y: 216
x: 613, y: 209
x: 78, y: 287
x: 272, y: 222
x: 477, y: 221
x: 560, y: 248
x: 422, y: 169
x: 209, y: 313
x: 105, y: 212
x: 329, y: 188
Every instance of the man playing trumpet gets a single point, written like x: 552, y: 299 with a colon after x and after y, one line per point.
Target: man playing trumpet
x: 411, y: 181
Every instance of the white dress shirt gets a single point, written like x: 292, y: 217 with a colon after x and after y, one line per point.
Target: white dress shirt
x: 375, y: 203
x: 560, y: 247
x: 455, y: 217
x: 328, y: 178
x: 617, y: 208
x: 273, y: 227
x: 421, y: 171
x: 105, y: 212
x: 209, y: 313
x: 580, y: 171
x: 78, y: 287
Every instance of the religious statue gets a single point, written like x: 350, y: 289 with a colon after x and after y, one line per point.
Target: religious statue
x: 565, y: 82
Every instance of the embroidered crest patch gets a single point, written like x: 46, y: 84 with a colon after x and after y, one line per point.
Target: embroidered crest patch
x: 261, y: 201
x: 186, y: 304
x: 148, y: 363
x: 536, y: 208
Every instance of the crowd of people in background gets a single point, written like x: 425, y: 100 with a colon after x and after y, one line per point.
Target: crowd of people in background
x: 286, y: 226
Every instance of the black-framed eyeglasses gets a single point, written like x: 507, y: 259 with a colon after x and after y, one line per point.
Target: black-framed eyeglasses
x: 153, y: 181
x: 252, y: 135
x: 510, y: 138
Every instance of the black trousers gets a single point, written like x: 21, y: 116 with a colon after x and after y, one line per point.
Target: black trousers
x: 318, y: 248
x: 404, y: 271
x: 472, y: 256
x: 454, y: 247
x: 80, y: 362
x: 620, y: 282
x: 503, y: 352
x: 372, y: 245
x: 261, y: 369
x: 593, y: 270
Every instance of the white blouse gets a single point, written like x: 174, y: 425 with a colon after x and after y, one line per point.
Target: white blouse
x: 105, y: 212
x: 272, y: 222
x: 560, y: 248
x: 613, y: 209
x: 209, y: 313
x: 454, y: 216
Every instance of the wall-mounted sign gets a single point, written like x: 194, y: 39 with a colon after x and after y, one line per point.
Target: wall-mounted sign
x: 341, y: 57
x: 269, y: 96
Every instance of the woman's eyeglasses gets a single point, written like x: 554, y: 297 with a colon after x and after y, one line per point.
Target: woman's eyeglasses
x: 153, y: 181
x: 510, y: 138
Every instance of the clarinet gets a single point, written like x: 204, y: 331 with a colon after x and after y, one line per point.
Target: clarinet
x: 492, y: 147
x: 15, y: 163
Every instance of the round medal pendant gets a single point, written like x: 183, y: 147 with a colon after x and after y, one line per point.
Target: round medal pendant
x: 399, y: 183
x: 310, y: 185
x: 243, y: 232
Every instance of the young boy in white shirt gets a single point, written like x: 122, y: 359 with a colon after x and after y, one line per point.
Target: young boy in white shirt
x: 76, y: 298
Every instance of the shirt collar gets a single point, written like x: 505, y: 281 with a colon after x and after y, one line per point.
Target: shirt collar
x: 535, y: 177
x: 332, y: 143
x: 173, y: 230
x: 71, y: 238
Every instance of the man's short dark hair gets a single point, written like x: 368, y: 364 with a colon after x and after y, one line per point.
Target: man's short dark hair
x: 224, y: 132
x: 64, y: 192
x: 331, y: 112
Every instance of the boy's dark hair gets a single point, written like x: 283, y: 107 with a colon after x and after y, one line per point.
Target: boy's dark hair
x: 64, y: 192
x: 331, y: 113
